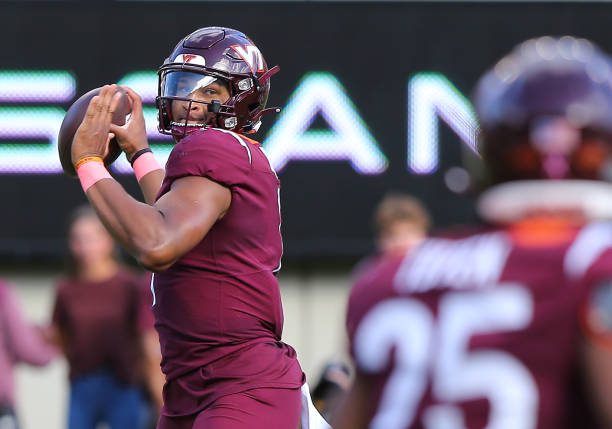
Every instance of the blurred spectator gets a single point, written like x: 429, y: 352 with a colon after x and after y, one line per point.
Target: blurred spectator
x: 330, y: 389
x: 100, y: 319
x: 19, y: 342
x: 401, y: 222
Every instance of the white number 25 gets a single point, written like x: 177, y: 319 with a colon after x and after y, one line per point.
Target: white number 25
x: 425, y: 347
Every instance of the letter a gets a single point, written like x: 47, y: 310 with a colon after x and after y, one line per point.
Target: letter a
x: 348, y: 139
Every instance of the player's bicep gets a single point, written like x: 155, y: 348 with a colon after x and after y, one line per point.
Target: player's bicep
x: 597, y: 314
x: 597, y: 350
x: 189, y: 210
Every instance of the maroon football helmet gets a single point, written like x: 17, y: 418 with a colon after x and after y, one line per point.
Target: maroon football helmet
x: 545, y: 112
x: 215, y: 54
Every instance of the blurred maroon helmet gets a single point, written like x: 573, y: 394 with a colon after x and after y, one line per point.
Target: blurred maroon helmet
x: 545, y: 112
x: 215, y: 54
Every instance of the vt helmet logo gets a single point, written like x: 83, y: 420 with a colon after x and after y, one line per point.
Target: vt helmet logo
x: 190, y: 58
x: 252, y: 56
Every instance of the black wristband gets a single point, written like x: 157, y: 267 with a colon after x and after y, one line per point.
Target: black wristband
x: 138, y: 153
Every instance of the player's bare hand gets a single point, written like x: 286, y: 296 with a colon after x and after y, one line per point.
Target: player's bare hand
x: 93, y: 135
x: 132, y: 136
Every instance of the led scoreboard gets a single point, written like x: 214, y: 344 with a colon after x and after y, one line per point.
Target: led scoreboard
x: 375, y: 98
x: 432, y: 98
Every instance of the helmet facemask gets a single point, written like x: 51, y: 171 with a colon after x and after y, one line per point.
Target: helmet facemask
x: 241, y: 111
x: 187, y: 100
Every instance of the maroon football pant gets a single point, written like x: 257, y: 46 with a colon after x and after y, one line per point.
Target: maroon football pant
x: 253, y: 409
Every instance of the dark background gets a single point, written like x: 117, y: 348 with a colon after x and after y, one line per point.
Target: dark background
x: 371, y: 48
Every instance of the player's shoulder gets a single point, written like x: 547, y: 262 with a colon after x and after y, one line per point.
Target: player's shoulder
x: 469, y: 260
x: 594, y: 234
x: 590, y: 250
x: 213, y: 147
x: 211, y: 139
x: 372, y: 283
x: 440, y: 260
x: 375, y: 274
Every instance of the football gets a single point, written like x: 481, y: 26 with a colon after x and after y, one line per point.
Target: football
x: 72, y: 120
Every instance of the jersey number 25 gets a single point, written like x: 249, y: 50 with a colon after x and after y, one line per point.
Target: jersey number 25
x: 436, y: 351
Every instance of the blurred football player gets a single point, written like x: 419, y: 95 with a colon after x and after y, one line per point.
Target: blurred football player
x: 211, y: 232
x: 485, y: 330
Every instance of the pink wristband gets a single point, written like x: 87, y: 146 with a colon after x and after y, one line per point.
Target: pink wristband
x: 92, y: 172
x: 144, y: 164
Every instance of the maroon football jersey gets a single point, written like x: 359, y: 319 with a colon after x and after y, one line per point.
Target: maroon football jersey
x: 218, y: 309
x: 476, y: 332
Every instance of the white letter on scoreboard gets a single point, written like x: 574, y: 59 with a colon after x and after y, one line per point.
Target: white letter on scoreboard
x: 431, y: 95
x: 348, y: 139
x: 19, y: 123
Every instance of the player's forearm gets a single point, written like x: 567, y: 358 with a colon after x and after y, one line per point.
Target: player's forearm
x: 150, y: 185
x: 139, y: 227
x: 597, y: 361
x: 348, y: 418
x: 352, y: 411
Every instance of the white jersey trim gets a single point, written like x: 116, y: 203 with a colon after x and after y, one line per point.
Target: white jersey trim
x: 592, y: 241
x: 280, y: 216
x: 242, y: 142
x: 153, y: 290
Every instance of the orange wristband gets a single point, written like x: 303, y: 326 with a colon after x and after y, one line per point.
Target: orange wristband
x: 87, y: 159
